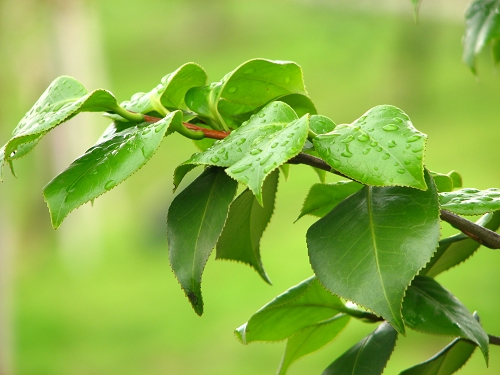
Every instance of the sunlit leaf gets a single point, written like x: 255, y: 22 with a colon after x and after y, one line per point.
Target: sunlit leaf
x: 443, y: 181
x: 381, y: 148
x: 226, y: 104
x: 367, y: 357
x: 246, y: 222
x: 258, y: 147
x: 322, y: 198
x: 299, y: 307
x: 430, y: 308
x: 311, y: 339
x: 104, y: 166
x: 471, y: 201
x: 372, y: 244
x: 194, y: 222
x: 482, y: 27
x: 456, y: 249
x: 456, y: 178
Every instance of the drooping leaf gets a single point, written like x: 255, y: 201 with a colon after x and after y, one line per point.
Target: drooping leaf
x: 367, y: 357
x: 471, y: 201
x: 194, y: 222
x: 301, y: 104
x: 456, y: 178
x: 259, y: 146
x: 104, y: 166
x: 322, y: 198
x: 430, y: 308
x: 299, y: 307
x: 246, y: 222
x: 226, y: 104
x: 482, y: 27
x: 372, y: 244
x: 446, y: 362
x: 311, y: 339
x: 456, y: 249
x: 381, y: 148
x: 63, y: 99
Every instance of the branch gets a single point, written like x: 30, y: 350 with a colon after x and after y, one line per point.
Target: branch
x: 480, y: 234
x: 494, y: 340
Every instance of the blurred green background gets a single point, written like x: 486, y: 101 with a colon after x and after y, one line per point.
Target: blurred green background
x: 97, y: 296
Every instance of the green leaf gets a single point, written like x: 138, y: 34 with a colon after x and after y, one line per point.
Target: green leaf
x: 372, y: 244
x: 446, y: 362
x: 104, y: 166
x: 456, y: 249
x: 482, y: 27
x: 443, y: 181
x: 430, y: 308
x: 381, y: 148
x: 180, y: 172
x: 301, y: 104
x: 322, y: 198
x: 321, y: 124
x: 416, y: 5
x: 311, y: 339
x: 299, y: 307
x: 456, y: 178
x: 245, y: 224
x: 367, y: 357
x: 194, y: 222
x: 258, y: 147
x: 226, y: 104
x: 169, y: 94
x: 471, y: 201
x: 63, y: 99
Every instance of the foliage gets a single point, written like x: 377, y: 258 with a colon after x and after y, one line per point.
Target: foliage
x: 375, y: 248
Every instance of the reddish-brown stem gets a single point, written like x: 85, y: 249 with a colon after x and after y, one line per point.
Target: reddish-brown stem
x: 209, y: 133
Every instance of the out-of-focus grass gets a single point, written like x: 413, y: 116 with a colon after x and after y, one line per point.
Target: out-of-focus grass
x: 120, y: 310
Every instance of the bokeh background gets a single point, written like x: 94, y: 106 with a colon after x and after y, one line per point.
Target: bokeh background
x: 97, y: 296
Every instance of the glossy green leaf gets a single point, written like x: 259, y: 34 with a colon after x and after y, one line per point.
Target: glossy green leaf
x: 322, y: 198
x: 471, y: 201
x: 367, y: 357
x: 430, y: 308
x: 194, y: 222
x: 381, y: 148
x: 456, y: 178
x: 246, y: 222
x: 372, y: 244
x: 299, y: 307
x: 301, y: 104
x: 104, y: 166
x: 63, y: 99
x: 456, y: 249
x: 446, y: 362
x: 482, y: 27
x: 180, y: 172
x: 311, y: 339
x: 321, y: 124
x: 443, y: 181
x: 258, y: 147
x: 226, y: 104
x: 169, y: 94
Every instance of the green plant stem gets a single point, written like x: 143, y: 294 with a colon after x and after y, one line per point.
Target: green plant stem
x: 359, y: 314
x: 131, y: 116
x: 494, y: 340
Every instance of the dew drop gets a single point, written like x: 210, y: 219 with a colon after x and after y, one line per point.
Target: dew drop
x: 284, y: 143
x: 407, y: 162
x: 486, y: 199
x: 363, y: 137
x: 146, y: 130
x: 274, y: 145
x: 418, y: 149
x: 269, y: 168
x: 398, y: 120
x: 262, y: 115
x: 240, y: 141
x: 375, y: 168
x: 408, y: 146
x: 231, y: 89
x: 335, y: 163
x: 255, y: 151
x: 242, y: 168
x: 378, y: 149
x: 159, y: 128
x: 347, y: 139
x: 109, y: 185
x: 362, y: 118
x: 413, y: 138
x: 265, y: 159
x: 287, y: 79
x: 292, y: 151
x: 275, y: 105
x: 114, y: 152
x: 214, y: 159
x: 373, y: 144
x: 249, y: 71
x: 390, y: 127
x: 263, y: 121
x: 366, y: 151
x: 347, y: 153
x: 401, y: 170
x: 225, y: 156
x: 391, y: 180
x: 386, y: 156
x: 222, y: 150
x: 391, y: 144
x: 239, y: 149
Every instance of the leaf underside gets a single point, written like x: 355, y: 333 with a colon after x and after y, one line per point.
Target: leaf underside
x: 471, y: 201
x: 371, y: 245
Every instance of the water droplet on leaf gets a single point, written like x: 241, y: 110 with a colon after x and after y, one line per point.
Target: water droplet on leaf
x: 241, y: 141
x: 363, y: 137
x: 242, y: 168
x: 366, y: 151
x: 347, y: 139
x: 413, y: 138
x: 386, y: 156
x: 391, y: 144
x: 109, y: 185
x: 214, y: 159
x: 390, y: 127
x: 231, y: 89
x: 255, y: 151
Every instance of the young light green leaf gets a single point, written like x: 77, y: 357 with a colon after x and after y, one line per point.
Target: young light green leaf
x: 301, y: 104
x: 299, y: 307
x: 226, y: 104
x: 311, y: 339
x: 446, y: 362
x: 430, y: 308
x: 322, y: 198
x: 104, y: 166
x: 169, y: 94
x: 381, y: 148
x: 456, y: 249
x: 471, y: 201
x: 258, y: 147
x: 456, y: 178
x: 482, y: 27
x: 245, y: 224
x: 194, y: 222
x: 63, y: 99
x: 443, y: 181
x: 367, y: 357
x: 321, y: 124
x: 372, y: 244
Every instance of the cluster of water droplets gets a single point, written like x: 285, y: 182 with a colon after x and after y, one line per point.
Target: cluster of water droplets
x: 472, y: 197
